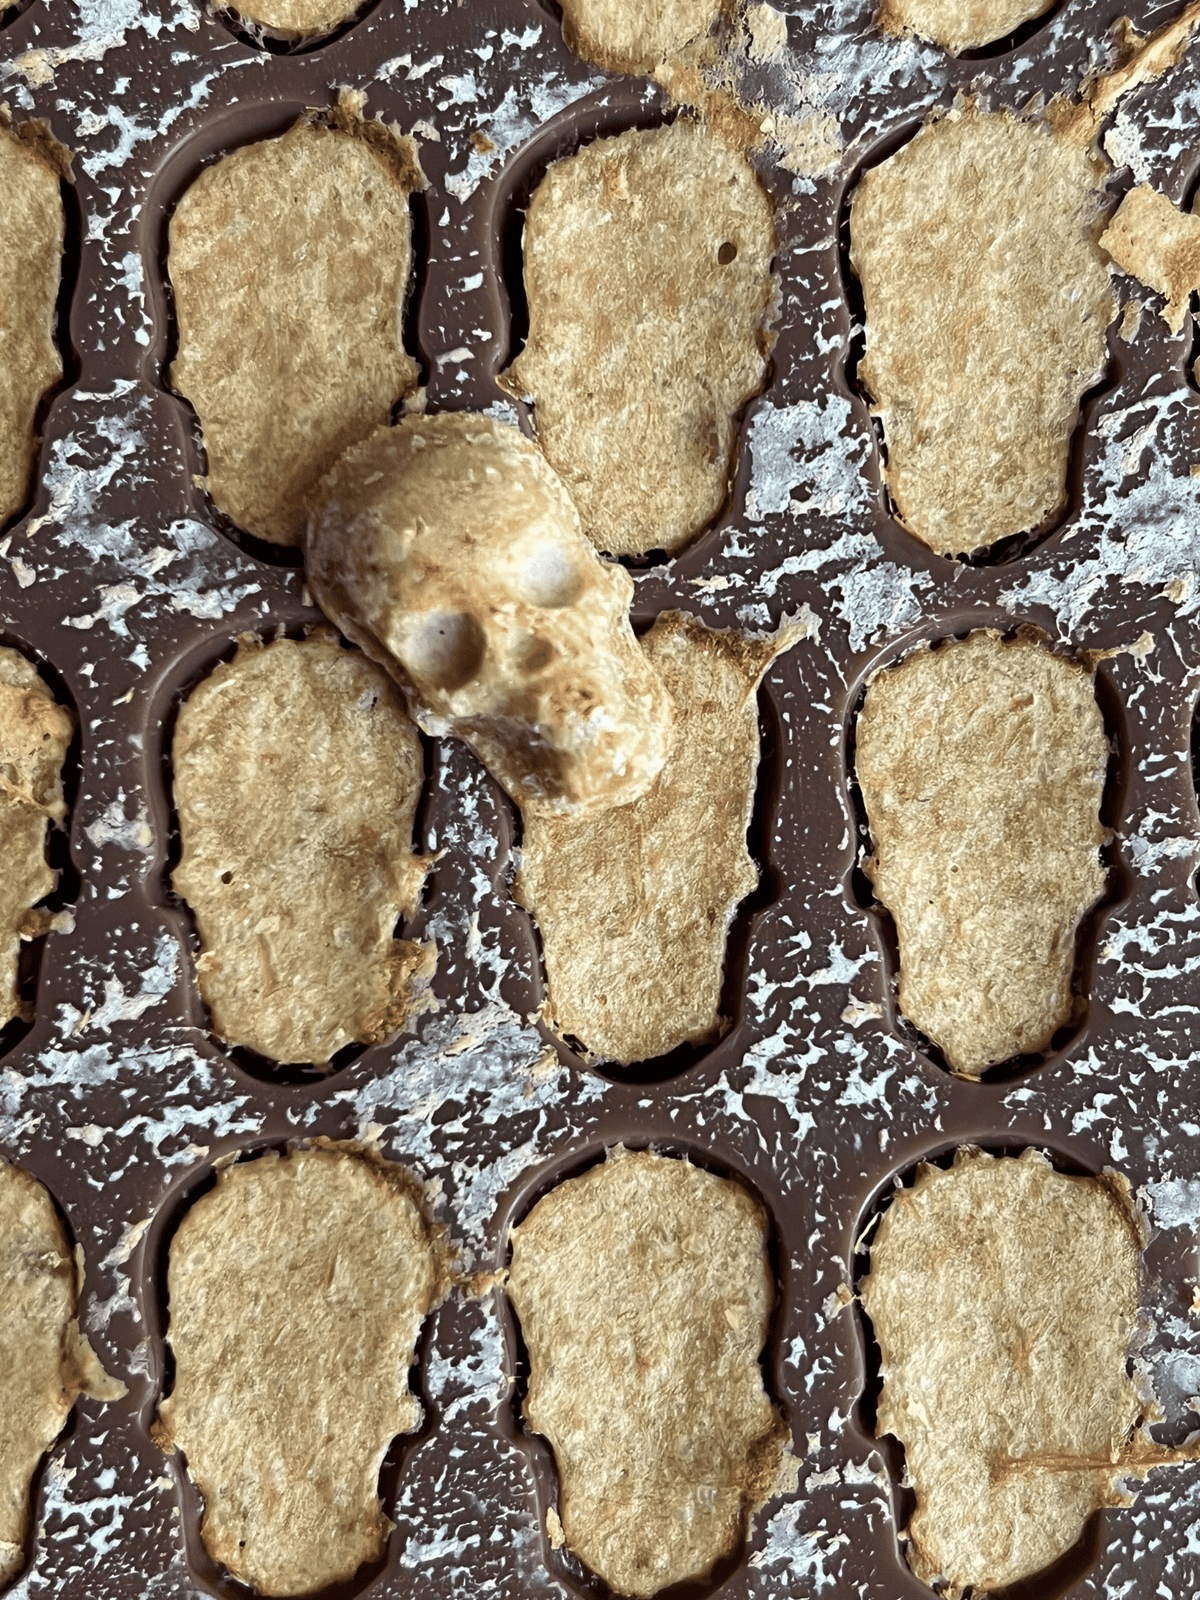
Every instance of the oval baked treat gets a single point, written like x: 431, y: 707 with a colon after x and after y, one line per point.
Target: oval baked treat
x: 648, y: 276
x: 289, y: 261
x: 634, y: 905
x: 645, y: 1293
x: 1003, y: 1296
x: 987, y: 300
x: 626, y: 37
x: 450, y: 551
x: 958, y: 24
x: 44, y: 1358
x: 298, y: 19
x: 982, y: 766
x: 35, y: 733
x: 32, y: 166
x: 297, y: 1288
x: 297, y: 773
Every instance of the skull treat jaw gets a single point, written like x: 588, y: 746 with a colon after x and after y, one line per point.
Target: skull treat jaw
x: 451, y: 552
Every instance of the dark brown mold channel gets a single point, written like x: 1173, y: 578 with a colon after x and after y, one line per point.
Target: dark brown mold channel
x: 209, y: 1576
x: 627, y: 105
x: 31, y: 952
x: 860, y: 893
x: 250, y: 124
x: 1017, y: 546
x: 578, y: 1580
x: 162, y: 717
x: 1053, y: 1582
x: 731, y: 1007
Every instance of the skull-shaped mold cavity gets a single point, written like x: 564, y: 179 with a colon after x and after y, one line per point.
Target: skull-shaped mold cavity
x: 450, y: 551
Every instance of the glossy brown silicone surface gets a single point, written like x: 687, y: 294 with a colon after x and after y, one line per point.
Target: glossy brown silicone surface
x: 125, y: 585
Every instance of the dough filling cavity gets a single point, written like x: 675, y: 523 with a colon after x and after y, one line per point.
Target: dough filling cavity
x: 644, y: 1294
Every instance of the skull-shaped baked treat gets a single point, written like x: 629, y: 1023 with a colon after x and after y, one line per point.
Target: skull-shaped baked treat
x: 450, y: 551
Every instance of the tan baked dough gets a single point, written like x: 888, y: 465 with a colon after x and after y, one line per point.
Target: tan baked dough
x: 299, y: 17
x: 987, y: 299
x: 45, y: 1360
x: 1003, y: 1295
x: 297, y: 1291
x: 289, y: 261
x: 646, y: 336
x: 1160, y: 245
x: 982, y: 765
x: 634, y: 905
x: 628, y: 37
x: 297, y: 774
x: 958, y: 24
x: 34, y: 735
x: 31, y: 245
x: 644, y: 1294
x: 450, y: 551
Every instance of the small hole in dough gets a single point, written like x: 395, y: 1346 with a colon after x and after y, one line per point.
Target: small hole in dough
x: 227, y: 877
x: 551, y: 577
x: 446, y: 651
x: 727, y: 252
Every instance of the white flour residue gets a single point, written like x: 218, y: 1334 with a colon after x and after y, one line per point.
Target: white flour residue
x: 791, y: 1553
x: 511, y: 124
x: 101, y: 26
x: 157, y: 982
x: 806, y: 459
x: 1176, y: 1202
x: 454, y: 1386
x: 112, y: 826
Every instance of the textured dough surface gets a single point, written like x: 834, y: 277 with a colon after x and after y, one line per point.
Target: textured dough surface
x: 44, y: 1360
x: 1159, y: 245
x: 958, y: 24
x: 35, y: 732
x: 289, y: 260
x: 643, y: 342
x: 634, y: 905
x: 297, y: 1291
x: 451, y: 552
x: 31, y: 244
x: 297, y: 774
x: 300, y: 17
x: 1003, y: 1295
x: 644, y: 1294
x: 635, y: 38
x: 987, y: 300
x: 982, y: 767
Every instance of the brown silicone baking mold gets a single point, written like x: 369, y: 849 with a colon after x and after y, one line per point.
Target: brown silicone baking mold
x: 123, y: 583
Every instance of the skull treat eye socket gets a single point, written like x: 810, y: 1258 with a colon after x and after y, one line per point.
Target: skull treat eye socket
x: 446, y: 651
x: 550, y: 577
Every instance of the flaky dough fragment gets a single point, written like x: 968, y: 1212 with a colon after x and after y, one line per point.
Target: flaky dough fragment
x: 31, y: 245
x: 626, y: 37
x: 958, y: 24
x: 297, y: 773
x: 35, y: 732
x: 644, y: 1294
x: 451, y: 552
x: 982, y: 766
x: 297, y: 1291
x: 301, y: 18
x: 289, y: 260
x: 44, y: 1358
x: 987, y: 299
x: 648, y: 276
x: 1159, y: 245
x: 634, y: 905
x: 1003, y: 1295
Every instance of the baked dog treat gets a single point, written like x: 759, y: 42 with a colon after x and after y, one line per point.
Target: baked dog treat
x: 664, y: 1438
x: 297, y: 1291
x: 632, y: 38
x: 634, y: 905
x: 451, y: 552
x: 46, y: 1361
x: 297, y: 773
x: 32, y: 167
x: 1160, y: 245
x: 982, y: 767
x: 987, y: 299
x: 301, y: 18
x: 289, y: 260
x: 645, y: 344
x: 35, y: 732
x: 1003, y: 1295
x: 958, y: 24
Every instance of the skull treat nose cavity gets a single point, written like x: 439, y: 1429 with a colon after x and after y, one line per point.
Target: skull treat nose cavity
x: 452, y: 553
